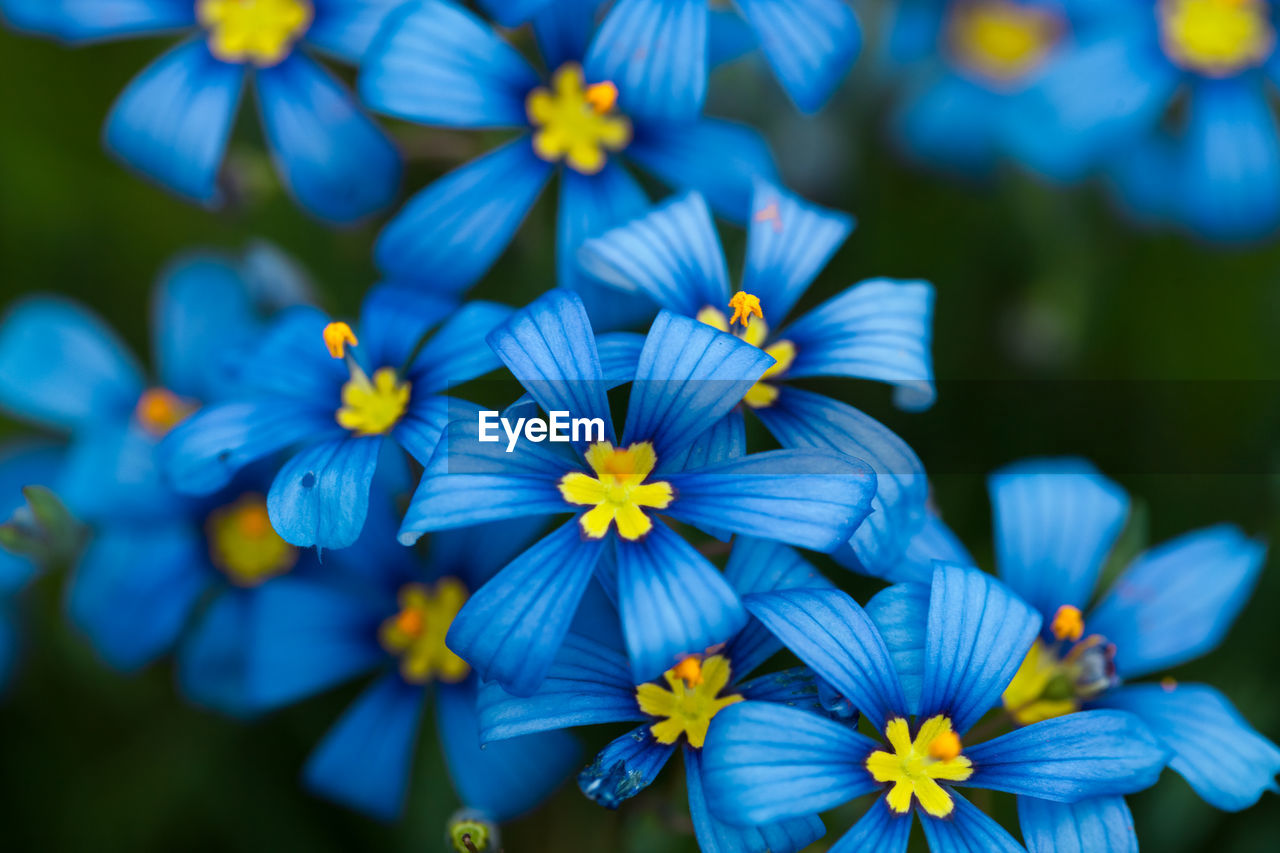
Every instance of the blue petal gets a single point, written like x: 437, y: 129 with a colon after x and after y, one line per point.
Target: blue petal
x: 506, y: 778
x: 1070, y: 758
x: 619, y: 354
x: 673, y: 602
x: 1097, y: 825
x: 458, y: 351
x: 307, y: 636
x: 112, y: 473
x: 827, y: 630
x: 724, y: 439
x: 789, y: 241
x: 291, y: 361
x: 978, y: 634
x: 475, y: 554
x: 212, y: 659
x: 135, y: 588
x: 1221, y: 756
x: 967, y: 830
x: 688, y: 376
x: 61, y: 366
x: 764, y: 763
x: 911, y: 31
x: 803, y: 419
x: 948, y: 121
x: 394, y: 319
x: 321, y: 495
x: 437, y: 63
x: 881, y: 829
x: 1177, y: 600
x: 809, y: 498
x: 796, y: 688
x: 729, y: 37
x: 346, y: 28
x: 900, y: 614
x: 655, y: 52
x: 625, y: 767
x: 449, y: 234
x: 364, y: 760
x: 879, y: 329
x: 589, y: 206
x: 334, y: 158
x: 811, y: 45
x: 588, y: 684
x: 672, y: 255
x: 512, y: 627
x: 550, y: 348
x: 1055, y: 521
x: 172, y: 122
x: 513, y: 13
x: 563, y: 28
x: 79, y: 20
x: 933, y: 542
x: 716, y: 836
x: 718, y: 158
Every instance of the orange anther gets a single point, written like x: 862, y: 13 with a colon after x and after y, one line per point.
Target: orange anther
x: 160, y: 410
x: 770, y: 213
x: 1068, y: 623
x: 410, y: 622
x: 745, y: 306
x: 690, y: 669
x: 945, y: 746
x: 602, y: 97
x: 337, y: 337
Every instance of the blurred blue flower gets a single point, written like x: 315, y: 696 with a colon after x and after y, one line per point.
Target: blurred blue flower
x: 339, y: 395
x: 386, y: 611
x: 878, y: 329
x: 635, y: 91
x: 941, y: 654
x: 173, y: 121
x: 590, y: 683
x: 675, y: 457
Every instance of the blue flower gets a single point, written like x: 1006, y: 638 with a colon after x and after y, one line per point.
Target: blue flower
x: 160, y: 571
x: 339, y: 395
x: 878, y: 329
x: 630, y: 93
x: 384, y: 611
x: 671, y: 459
x: 1055, y: 522
x: 173, y: 121
x: 941, y: 654
x: 590, y: 683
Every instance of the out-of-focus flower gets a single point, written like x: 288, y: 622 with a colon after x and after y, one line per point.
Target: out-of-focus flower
x: 878, y: 329
x: 635, y: 92
x: 672, y: 460
x: 173, y: 121
x: 944, y: 665
x: 339, y: 394
x: 386, y: 611
x: 590, y: 683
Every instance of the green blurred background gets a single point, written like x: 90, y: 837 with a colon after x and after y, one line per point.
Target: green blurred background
x: 1059, y: 329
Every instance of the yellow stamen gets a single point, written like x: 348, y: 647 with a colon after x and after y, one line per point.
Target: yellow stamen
x: 261, y: 32
x: 416, y: 633
x: 373, y: 407
x: 1068, y: 623
x: 576, y: 123
x: 914, y: 767
x: 159, y: 410
x: 1042, y: 688
x: 337, y: 337
x: 244, y: 545
x: 745, y: 306
x: 1000, y: 40
x: 684, y: 707
x: 1217, y: 38
x: 618, y: 490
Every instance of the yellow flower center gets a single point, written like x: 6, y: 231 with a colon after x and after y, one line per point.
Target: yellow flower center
x: 261, y: 32
x: 373, y: 406
x: 689, y: 701
x: 159, y: 410
x: 416, y: 632
x: 244, y: 545
x: 915, y: 766
x: 1057, y: 679
x: 1217, y: 38
x: 576, y: 123
x: 617, y: 491
x: 1002, y: 41
x: 745, y: 306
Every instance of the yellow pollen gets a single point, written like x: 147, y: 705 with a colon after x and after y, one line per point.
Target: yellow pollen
x: 617, y: 491
x: 1217, y: 38
x: 745, y: 306
x: 576, y: 123
x: 159, y: 410
x: 1000, y: 40
x: 261, y: 32
x: 690, y: 669
x: 1068, y: 623
x: 337, y: 337
x: 915, y: 766
x: 764, y: 393
x: 684, y: 707
x: 244, y: 545
x: 373, y: 407
x: 416, y: 633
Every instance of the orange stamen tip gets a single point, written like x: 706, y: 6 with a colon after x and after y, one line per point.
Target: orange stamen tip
x: 337, y: 337
x: 1068, y: 623
x: 945, y: 746
x: 690, y: 669
x: 160, y: 410
x: 745, y: 306
x: 409, y: 622
x: 770, y: 213
x: 602, y: 97
x: 254, y: 520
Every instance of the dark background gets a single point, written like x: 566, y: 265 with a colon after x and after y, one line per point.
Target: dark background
x: 1059, y: 329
